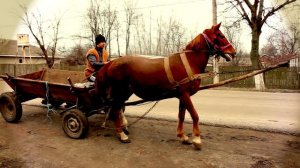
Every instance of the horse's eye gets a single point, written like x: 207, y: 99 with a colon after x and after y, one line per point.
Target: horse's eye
x: 216, y: 41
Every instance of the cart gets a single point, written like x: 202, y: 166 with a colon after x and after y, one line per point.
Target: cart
x: 52, y: 85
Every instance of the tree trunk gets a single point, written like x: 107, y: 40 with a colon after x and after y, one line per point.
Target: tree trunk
x: 254, y: 55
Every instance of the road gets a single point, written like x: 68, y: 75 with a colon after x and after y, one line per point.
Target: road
x: 267, y: 111
x: 37, y: 141
x: 275, y: 112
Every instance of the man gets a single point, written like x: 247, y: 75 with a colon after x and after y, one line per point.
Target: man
x: 96, y: 58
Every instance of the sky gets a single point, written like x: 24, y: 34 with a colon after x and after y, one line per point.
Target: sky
x: 196, y: 15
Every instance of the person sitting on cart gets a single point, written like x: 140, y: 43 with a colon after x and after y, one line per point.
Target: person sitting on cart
x: 96, y: 58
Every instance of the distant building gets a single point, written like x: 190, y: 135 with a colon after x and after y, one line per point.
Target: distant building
x: 11, y: 54
x: 295, y: 62
x: 13, y: 59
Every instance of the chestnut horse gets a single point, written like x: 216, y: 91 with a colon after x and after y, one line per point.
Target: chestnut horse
x: 159, y: 78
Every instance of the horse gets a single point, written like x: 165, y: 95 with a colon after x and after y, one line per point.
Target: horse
x: 162, y: 78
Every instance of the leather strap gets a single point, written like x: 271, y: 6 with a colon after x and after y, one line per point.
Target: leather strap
x: 185, y: 63
x: 187, y: 66
x: 168, y: 70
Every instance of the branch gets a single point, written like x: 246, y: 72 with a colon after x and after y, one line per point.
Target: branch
x: 244, y: 13
x: 274, y: 9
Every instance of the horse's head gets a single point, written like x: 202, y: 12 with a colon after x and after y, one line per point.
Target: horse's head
x: 218, y: 44
x: 214, y: 42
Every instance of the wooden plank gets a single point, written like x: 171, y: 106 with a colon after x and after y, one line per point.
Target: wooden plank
x: 61, y: 76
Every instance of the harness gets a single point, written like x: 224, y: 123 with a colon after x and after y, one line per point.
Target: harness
x: 191, y: 76
x: 214, y: 50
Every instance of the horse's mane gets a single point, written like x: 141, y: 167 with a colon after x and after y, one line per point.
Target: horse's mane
x: 195, y: 44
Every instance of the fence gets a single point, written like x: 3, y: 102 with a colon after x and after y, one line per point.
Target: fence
x: 281, y: 78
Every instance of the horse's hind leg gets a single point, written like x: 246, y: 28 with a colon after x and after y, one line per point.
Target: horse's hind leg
x: 118, y: 119
x: 185, y: 98
x: 180, y: 130
x: 124, y: 121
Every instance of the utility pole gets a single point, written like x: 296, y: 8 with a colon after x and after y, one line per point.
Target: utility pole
x: 215, y: 61
x: 150, y: 52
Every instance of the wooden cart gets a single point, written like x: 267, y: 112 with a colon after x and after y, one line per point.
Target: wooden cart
x: 51, y: 85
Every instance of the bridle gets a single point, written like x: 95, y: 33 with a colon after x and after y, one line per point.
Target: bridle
x: 214, y: 49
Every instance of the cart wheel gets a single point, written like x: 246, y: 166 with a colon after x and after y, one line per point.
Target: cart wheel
x: 10, y: 107
x: 75, y: 124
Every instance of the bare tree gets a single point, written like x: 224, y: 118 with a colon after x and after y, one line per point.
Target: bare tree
x: 117, y: 35
x: 173, y: 36
x: 140, y: 30
x: 37, y: 27
x: 256, y: 14
x: 100, y: 19
x: 131, y: 15
x: 233, y: 34
x: 159, y: 37
x: 283, y: 42
x: 109, y: 21
x: 75, y: 55
x: 269, y: 48
x: 289, y: 41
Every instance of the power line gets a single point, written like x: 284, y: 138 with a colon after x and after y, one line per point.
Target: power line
x: 169, y: 4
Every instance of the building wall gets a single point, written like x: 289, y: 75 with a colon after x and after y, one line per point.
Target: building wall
x: 12, y: 59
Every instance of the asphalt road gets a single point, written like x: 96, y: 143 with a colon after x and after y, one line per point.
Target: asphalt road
x: 275, y: 112
x: 267, y: 111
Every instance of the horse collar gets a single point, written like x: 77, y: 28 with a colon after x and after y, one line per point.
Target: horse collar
x: 186, y: 65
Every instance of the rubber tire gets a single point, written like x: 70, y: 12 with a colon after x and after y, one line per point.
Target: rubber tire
x: 10, y: 107
x: 75, y: 118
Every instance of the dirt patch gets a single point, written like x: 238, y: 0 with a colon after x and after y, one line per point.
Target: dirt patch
x: 263, y: 164
x: 39, y: 142
x: 10, y: 163
x: 247, y: 138
x: 294, y: 144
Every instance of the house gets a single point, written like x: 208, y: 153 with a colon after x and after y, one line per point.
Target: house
x: 11, y: 54
x: 19, y: 59
x: 295, y: 62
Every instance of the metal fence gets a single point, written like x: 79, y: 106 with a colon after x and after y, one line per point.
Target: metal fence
x: 281, y: 78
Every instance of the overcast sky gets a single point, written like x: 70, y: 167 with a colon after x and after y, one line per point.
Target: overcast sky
x: 196, y: 15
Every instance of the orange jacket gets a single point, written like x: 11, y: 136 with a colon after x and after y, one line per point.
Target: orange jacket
x: 89, y: 68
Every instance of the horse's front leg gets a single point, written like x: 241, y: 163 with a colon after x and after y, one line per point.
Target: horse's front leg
x: 187, y: 102
x: 180, y: 130
x: 118, y: 118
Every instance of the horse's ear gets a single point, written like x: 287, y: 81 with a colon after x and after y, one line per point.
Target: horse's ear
x: 216, y: 27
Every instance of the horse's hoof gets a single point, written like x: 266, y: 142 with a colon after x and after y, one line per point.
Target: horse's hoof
x: 125, y: 141
x: 197, y: 143
x: 198, y: 146
x: 124, y: 138
x: 185, y: 140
